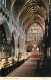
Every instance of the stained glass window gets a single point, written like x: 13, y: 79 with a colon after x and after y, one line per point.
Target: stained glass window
x: 35, y: 33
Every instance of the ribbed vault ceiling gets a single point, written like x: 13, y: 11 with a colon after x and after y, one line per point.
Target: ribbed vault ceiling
x: 30, y: 11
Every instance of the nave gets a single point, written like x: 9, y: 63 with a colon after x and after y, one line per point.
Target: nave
x: 25, y: 32
x: 31, y: 68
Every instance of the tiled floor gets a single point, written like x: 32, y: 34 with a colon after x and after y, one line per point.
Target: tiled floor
x: 27, y: 69
x: 32, y: 68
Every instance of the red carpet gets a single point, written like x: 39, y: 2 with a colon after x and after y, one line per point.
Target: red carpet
x: 34, y: 54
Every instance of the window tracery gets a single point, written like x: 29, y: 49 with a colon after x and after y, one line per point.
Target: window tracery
x: 35, y: 33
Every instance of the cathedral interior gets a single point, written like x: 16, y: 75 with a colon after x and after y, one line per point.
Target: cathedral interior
x: 25, y: 38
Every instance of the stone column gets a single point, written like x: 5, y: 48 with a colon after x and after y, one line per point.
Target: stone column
x: 26, y: 37
x: 20, y: 44
x: 16, y: 47
x: 23, y: 46
x: 49, y: 1
x: 24, y: 50
x: 46, y: 37
x: 49, y: 30
x: 5, y: 3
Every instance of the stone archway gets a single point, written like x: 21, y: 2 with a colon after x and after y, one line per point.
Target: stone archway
x: 29, y: 49
x: 7, y: 30
x: 29, y: 45
x: 41, y: 48
x: 5, y: 38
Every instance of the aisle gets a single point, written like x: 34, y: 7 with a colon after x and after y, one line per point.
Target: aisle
x: 27, y: 69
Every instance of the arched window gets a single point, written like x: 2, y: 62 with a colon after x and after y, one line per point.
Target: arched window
x: 35, y: 33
